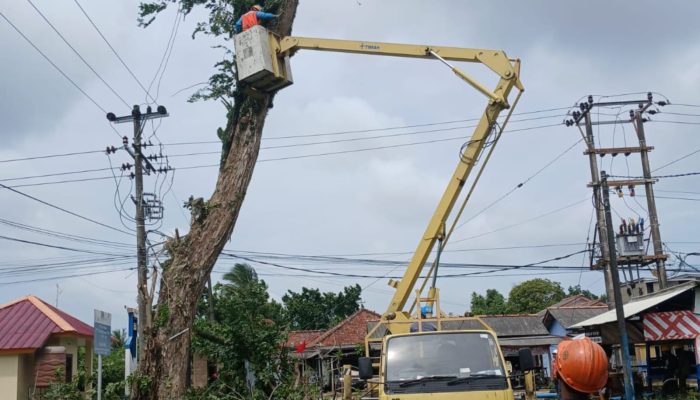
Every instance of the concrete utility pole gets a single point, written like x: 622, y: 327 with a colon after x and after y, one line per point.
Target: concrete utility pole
x: 619, y: 308
x: 141, y: 256
x: 607, y: 237
x: 141, y: 267
x: 597, y: 203
x: 651, y: 203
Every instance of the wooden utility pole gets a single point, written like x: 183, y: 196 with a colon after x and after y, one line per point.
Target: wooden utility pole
x: 619, y: 308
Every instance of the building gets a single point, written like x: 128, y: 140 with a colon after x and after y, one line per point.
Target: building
x: 661, y: 326
x: 560, y: 317
x: 36, y: 340
x: 322, y: 353
x: 519, y: 331
x: 645, y: 286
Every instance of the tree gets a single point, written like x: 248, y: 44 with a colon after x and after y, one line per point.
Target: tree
x: 312, y: 309
x: 534, y: 295
x: 167, y: 327
x: 491, y: 304
x: 113, y: 367
x: 246, y: 340
x: 576, y: 290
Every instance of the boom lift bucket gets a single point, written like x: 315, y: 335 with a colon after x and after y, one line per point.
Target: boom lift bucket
x: 258, y: 61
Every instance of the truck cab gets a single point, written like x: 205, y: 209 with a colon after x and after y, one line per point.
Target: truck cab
x: 450, y: 365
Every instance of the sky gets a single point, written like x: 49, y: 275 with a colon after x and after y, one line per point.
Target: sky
x: 372, y: 204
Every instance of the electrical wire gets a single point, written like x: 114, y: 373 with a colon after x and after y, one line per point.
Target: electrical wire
x: 521, y: 184
x: 165, y: 59
x: 522, y: 222
x: 112, y: 48
x: 78, y: 153
x: 78, y: 53
x: 64, y: 210
x: 53, y: 64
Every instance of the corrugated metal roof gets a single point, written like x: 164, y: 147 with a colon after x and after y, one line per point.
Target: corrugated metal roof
x: 637, y: 306
x: 526, y: 341
x: 516, y: 325
x: 570, y: 316
x: 27, y: 323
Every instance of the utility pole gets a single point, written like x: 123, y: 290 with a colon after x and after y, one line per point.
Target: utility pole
x: 651, y: 203
x: 141, y: 267
x: 600, y: 213
x: 632, y: 254
x: 619, y: 308
x: 141, y: 257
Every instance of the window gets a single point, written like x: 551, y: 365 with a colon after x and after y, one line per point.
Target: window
x: 69, y: 367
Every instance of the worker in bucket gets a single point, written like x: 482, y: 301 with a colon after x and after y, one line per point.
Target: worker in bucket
x: 580, y: 368
x: 252, y: 18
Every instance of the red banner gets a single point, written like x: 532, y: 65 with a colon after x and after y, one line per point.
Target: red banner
x: 671, y: 325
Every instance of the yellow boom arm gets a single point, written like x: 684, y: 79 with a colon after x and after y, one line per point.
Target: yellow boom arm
x: 279, y: 75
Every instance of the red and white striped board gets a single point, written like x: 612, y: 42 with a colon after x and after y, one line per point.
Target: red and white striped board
x: 671, y: 325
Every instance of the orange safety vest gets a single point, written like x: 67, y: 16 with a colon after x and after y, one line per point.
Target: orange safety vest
x: 250, y: 19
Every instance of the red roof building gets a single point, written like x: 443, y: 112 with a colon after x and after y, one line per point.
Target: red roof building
x: 348, y: 334
x: 36, y: 339
x: 27, y: 323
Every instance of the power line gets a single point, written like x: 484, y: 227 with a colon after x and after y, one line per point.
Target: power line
x: 657, y: 176
x: 78, y: 153
x: 85, y: 171
x: 675, y: 122
x: 18, y: 240
x: 331, y: 153
x: 52, y: 63
x: 534, y: 246
x: 522, y: 222
x: 677, y: 160
x: 53, y: 278
x: 112, y: 48
x: 64, y: 210
x: 60, y: 182
x: 166, y: 57
x: 65, y: 236
x: 77, y: 53
x: 521, y: 184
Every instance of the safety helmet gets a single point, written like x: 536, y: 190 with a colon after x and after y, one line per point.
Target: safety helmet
x: 582, y: 365
x: 256, y: 7
x: 425, y: 310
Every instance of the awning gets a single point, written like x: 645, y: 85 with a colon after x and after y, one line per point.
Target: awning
x: 637, y: 306
x: 671, y: 325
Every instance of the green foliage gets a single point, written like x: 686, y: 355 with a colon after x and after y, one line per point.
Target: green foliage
x: 576, y: 290
x: 312, y: 309
x: 220, y: 22
x: 250, y: 329
x: 492, y: 304
x: 534, y: 295
x: 113, y: 368
x: 59, y: 390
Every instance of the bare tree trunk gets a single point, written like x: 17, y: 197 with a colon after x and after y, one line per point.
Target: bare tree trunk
x: 163, y: 369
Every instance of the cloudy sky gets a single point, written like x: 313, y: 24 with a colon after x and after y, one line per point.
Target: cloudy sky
x: 371, y: 204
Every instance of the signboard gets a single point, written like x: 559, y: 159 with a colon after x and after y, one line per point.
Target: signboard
x: 671, y: 325
x: 102, y: 342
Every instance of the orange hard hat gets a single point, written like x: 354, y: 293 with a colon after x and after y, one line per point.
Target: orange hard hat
x: 582, y: 365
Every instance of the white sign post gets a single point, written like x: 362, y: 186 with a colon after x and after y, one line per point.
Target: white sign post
x: 102, y: 343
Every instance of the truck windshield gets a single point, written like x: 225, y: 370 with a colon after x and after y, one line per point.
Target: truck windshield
x: 445, y: 354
